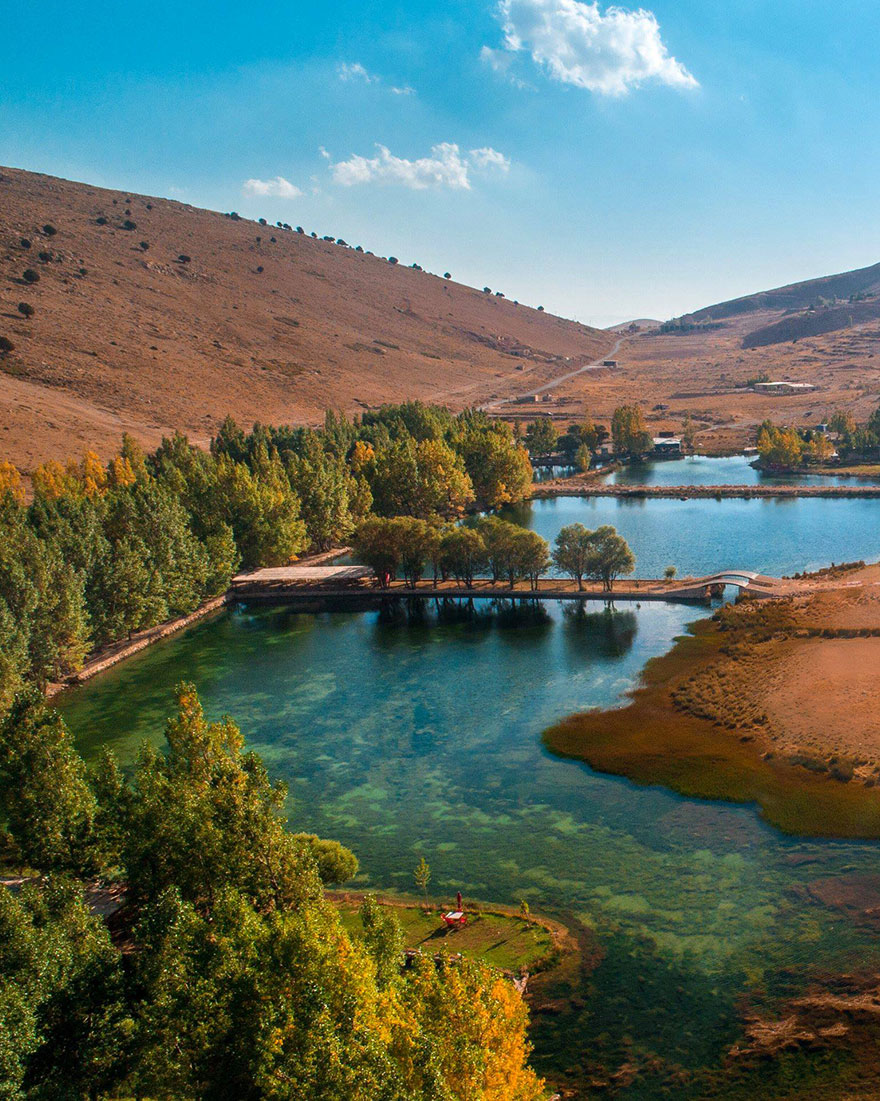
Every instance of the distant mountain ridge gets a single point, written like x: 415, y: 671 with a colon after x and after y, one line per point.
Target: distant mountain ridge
x: 794, y: 296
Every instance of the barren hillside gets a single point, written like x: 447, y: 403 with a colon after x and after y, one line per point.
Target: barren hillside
x: 150, y: 315
x: 796, y: 296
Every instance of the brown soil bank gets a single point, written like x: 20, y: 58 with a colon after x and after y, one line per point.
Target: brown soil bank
x: 775, y: 703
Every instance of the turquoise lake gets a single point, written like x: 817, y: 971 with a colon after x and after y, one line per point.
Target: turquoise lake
x: 416, y: 730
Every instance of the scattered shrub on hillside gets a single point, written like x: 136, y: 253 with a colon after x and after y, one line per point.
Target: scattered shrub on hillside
x: 149, y: 206
x: 234, y: 215
x: 487, y: 290
x: 299, y: 229
x: 128, y: 212
x: 258, y: 239
x: 260, y: 269
x: 359, y: 248
x: 339, y: 241
x: 145, y: 245
x: 273, y: 240
x: 499, y: 294
x: 49, y: 230
x: 101, y: 220
x: 30, y: 276
x: 392, y: 260
x: 26, y: 309
x: 262, y: 221
x: 129, y: 224
x: 45, y: 257
x: 328, y: 238
x: 6, y: 345
x: 314, y: 234
x: 25, y: 243
x: 447, y: 275
x: 84, y: 271
x: 183, y: 258
x: 540, y: 309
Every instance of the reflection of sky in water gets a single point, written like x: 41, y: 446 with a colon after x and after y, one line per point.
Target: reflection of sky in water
x: 774, y: 536
x: 704, y: 470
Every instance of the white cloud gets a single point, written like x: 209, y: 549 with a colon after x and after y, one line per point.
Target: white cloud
x: 404, y: 91
x: 489, y: 158
x: 355, y: 71
x: 278, y: 188
x: 576, y: 43
x: 445, y: 167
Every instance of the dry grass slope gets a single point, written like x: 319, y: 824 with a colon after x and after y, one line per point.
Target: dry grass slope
x: 188, y: 315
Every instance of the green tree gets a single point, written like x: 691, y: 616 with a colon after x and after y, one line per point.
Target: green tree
x: 499, y: 468
x: 573, y: 552
x: 62, y: 1016
x: 375, y: 544
x: 202, y: 810
x: 335, y: 863
x: 463, y: 554
x: 688, y: 433
x: 383, y: 938
x: 541, y: 436
x: 422, y: 876
x: 612, y: 557
x: 45, y: 799
x: 629, y: 431
x: 261, y: 508
x: 583, y: 458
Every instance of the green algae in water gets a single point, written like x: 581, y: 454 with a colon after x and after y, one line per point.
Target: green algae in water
x: 408, y: 734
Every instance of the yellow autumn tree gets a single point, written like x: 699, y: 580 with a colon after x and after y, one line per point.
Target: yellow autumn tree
x: 86, y: 478
x: 465, y: 1024
x: 362, y: 454
x: 10, y: 483
x: 119, y: 472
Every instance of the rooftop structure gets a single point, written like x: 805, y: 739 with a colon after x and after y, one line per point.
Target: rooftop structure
x: 784, y: 387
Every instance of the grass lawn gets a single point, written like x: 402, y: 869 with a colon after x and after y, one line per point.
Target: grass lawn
x: 501, y: 940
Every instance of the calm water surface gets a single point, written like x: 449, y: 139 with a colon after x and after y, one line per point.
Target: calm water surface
x: 772, y: 535
x: 416, y: 731
x: 707, y: 470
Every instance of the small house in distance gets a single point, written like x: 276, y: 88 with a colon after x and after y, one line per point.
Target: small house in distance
x: 784, y: 387
x: 609, y: 362
x: 667, y: 444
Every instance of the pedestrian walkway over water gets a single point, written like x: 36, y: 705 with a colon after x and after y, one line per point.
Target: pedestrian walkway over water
x: 298, y: 583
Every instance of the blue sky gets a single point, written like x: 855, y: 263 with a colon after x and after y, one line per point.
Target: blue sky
x: 604, y: 162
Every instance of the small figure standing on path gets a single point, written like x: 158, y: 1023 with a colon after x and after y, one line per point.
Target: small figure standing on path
x: 458, y: 901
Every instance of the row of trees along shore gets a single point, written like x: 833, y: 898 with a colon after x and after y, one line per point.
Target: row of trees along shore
x: 408, y: 547
x: 103, y: 551
x: 629, y: 436
x: 226, y: 972
x: 787, y: 446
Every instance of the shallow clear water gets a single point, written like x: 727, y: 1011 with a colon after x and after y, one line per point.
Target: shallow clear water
x: 402, y: 734
x: 769, y: 535
x: 708, y: 470
x: 417, y: 731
